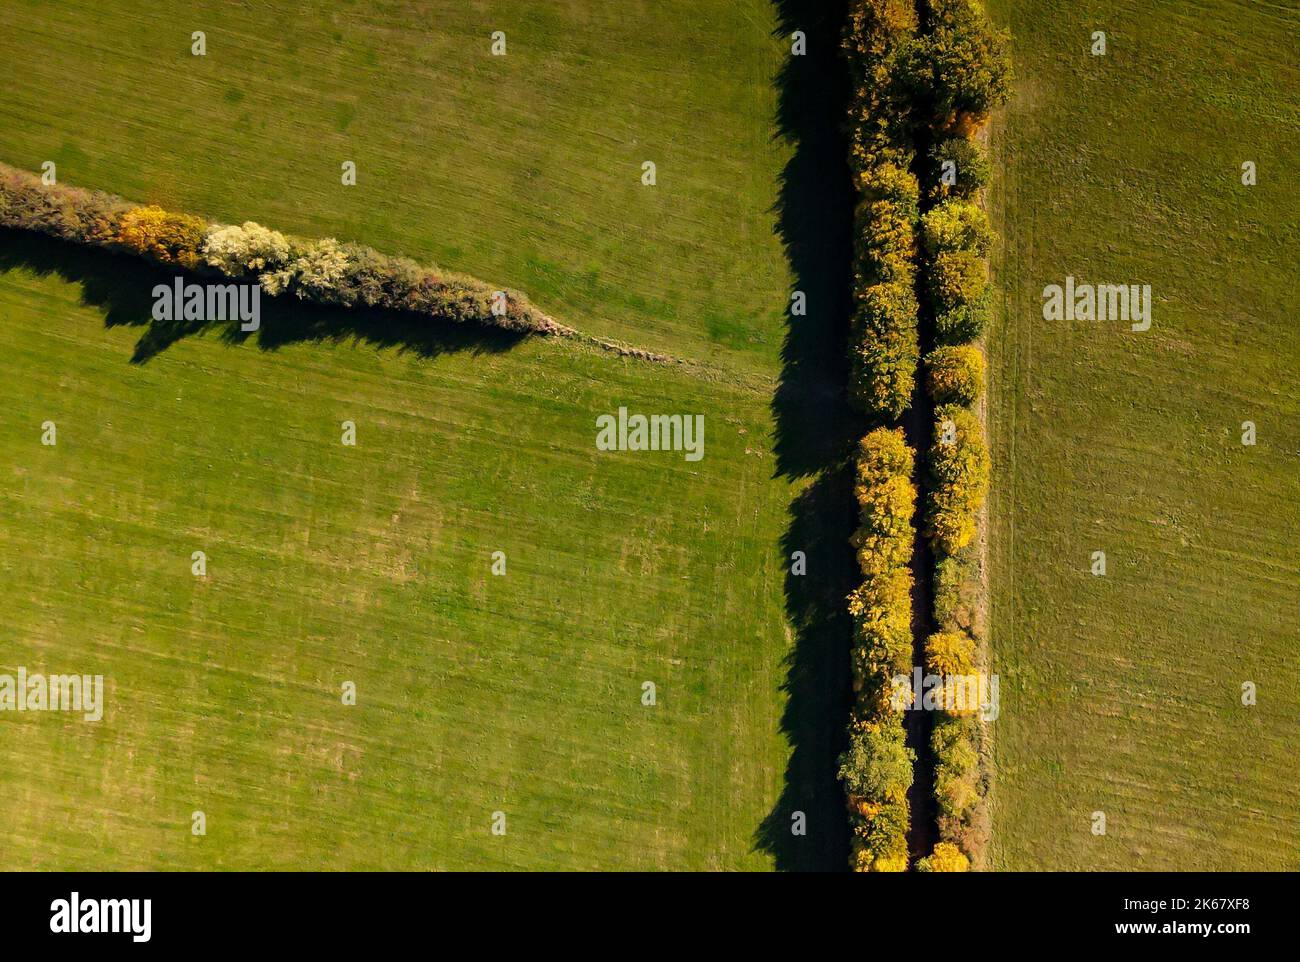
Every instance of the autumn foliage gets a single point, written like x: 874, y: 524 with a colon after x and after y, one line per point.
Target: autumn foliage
x: 946, y: 857
x: 957, y: 168
x: 885, y: 347
x: 959, y: 69
x: 886, y: 502
x: 323, y: 271
x: 67, y: 213
x: 956, y: 225
x: 959, y: 478
x: 955, y: 374
x: 876, y: 770
x: 895, y: 70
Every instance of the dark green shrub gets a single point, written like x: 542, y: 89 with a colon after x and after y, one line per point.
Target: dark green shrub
x: 962, y: 67
x: 970, y: 169
x: 964, y: 323
x: 877, y: 765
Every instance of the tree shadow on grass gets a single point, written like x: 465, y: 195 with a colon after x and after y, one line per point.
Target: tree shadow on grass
x: 122, y: 286
x: 815, y: 433
x: 816, y: 685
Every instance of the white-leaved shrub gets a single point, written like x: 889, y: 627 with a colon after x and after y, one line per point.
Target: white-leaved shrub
x: 249, y: 248
x: 319, y: 269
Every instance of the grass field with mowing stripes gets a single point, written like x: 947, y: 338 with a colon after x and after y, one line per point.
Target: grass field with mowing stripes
x: 371, y: 564
x: 325, y: 563
x: 522, y: 170
x: 1122, y: 694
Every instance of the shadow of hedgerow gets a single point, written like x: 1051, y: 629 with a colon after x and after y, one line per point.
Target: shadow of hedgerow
x: 815, y: 432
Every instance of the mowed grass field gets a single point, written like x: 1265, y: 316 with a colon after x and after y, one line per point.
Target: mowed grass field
x: 371, y: 564
x: 524, y: 169
x: 1122, y: 694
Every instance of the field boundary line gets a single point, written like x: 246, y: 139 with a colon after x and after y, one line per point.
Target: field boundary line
x: 321, y: 271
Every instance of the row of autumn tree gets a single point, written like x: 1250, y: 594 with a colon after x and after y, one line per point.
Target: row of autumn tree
x: 324, y: 271
x: 927, y: 75
x: 956, y: 238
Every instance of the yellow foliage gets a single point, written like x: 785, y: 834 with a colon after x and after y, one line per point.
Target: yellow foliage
x: 889, y: 181
x: 957, y: 278
x: 959, y: 469
x: 883, y: 453
x: 890, y: 863
x: 166, y: 237
x: 884, y: 539
x: 946, y: 857
x: 950, y: 653
x: 955, y: 374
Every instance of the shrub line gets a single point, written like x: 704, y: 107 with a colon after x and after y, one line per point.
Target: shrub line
x: 966, y: 73
x: 914, y: 78
x: 322, y: 271
x: 877, y: 769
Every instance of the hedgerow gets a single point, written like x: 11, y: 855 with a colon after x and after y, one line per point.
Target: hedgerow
x: 961, y: 70
x: 959, y: 784
x: 961, y: 67
x: 882, y: 637
x: 880, y: 106
x: 886, y: 503
x: 958, y: 592
x: 959, y: 478
x: 958, y: 70
x: 884, y: 329
x: 68, y: 213
x: 876, y: 770
x: 322, y: 271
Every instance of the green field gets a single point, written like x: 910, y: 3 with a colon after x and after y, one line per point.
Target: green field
x: 1122, y: 694
x: 523, y: 169
x: 372, y: 563
x: 522, y: 693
